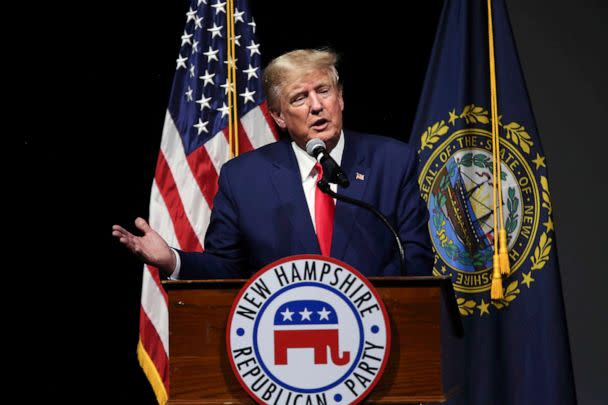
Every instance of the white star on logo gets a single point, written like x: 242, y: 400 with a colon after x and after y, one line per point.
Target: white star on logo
x: 287, y: 314
x: 201, y: 126
x: 323, y: 314
x: 305, y: 314
x: 198, y: 22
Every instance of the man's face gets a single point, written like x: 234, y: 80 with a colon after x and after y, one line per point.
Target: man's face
x: 311, y: 107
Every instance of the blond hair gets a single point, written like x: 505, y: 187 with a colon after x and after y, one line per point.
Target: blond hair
x: 294, y: 64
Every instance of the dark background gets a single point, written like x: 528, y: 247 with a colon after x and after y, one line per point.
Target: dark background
x: 92, y: 129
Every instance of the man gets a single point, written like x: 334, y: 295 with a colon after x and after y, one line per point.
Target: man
x: 268, y: 207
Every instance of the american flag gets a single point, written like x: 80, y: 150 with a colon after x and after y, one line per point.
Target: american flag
x: 197, y: 140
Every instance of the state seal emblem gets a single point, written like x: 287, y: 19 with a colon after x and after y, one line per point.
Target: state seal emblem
x: 308, y: 329
x: 456, y: 181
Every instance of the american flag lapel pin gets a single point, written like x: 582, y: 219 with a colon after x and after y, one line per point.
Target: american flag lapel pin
x: 359, y: 176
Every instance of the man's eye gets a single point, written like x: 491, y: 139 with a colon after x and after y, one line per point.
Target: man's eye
x: 298, y: 100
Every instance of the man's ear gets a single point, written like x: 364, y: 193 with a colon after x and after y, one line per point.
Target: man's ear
x: 278, y: 118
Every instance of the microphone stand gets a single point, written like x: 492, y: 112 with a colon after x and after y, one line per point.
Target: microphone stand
x: 323, y: 185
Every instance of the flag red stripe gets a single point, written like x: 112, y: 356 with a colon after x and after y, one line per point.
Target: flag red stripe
x: 269, y: 119
x: 204, y: 173
x: 154, y: 346
x: 244, y: 142
x: 155, y: 273
x: 168, y: 190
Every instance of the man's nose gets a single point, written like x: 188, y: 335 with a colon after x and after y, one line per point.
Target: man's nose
x: 315, y: 103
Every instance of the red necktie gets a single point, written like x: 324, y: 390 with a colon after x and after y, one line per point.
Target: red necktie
x: 324, y: 216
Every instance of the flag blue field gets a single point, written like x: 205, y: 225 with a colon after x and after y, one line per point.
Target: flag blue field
x: 517, y: 349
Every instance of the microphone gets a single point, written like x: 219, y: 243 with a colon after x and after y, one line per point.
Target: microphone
x: 333, y: 172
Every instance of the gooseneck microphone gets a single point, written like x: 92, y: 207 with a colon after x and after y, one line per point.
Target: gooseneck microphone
x: 316, y: 148
x: 331, y: 170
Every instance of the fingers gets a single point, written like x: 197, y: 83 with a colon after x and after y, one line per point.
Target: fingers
x: 119, y: 232
x: 142, y: 225
x: 118, y: 229
x: 125, y: 237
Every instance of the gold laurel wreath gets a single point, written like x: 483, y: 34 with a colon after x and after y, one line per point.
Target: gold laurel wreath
x: 473, y: 114
x: 432, y: 135
x: 465, y: 307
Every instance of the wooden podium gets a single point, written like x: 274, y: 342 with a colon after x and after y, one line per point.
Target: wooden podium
x: 423, y: 365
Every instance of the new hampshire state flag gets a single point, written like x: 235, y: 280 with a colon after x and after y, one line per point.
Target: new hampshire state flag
x: 516, y: 348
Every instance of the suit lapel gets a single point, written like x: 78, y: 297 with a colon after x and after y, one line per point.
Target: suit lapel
x: 356, y: 169
x: 287, y: 181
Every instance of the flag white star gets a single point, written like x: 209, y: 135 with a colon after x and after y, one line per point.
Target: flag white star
x: 207, y: 77
x: 238, y: 15
x: 236, y: 40
x: 323, y: 314
x: 247, y: 96
x: 224, y: 109
x: 215, y: 30
x: 305, y: 314
x: 188, y: 94
x: 198, y: 3
x: 252, y: 23
x: 251, y: 72
x: 287, y: 314
x: 211, y: 54
x: 219, y: 7
x: 191, y: 14
x: 204, y: 102
x: 192, y: 70
x: 195, y: 46
x: 229, y: 63
x: 198, y: 22
x: 186, y: 38
x: 181, y: 62
x: 225, y: 86
x: 254, y: 48
x: 201, y: 126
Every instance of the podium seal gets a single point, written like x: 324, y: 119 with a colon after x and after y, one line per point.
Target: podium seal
x: 308, y: 330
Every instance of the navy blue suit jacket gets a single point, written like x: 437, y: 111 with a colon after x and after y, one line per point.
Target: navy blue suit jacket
x: 260, y: 212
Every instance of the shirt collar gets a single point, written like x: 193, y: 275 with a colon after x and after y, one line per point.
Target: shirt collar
x: 306, y: 162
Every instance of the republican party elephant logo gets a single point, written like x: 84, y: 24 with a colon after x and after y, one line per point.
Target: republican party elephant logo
x: 308, y: 329
x: 308, y: 324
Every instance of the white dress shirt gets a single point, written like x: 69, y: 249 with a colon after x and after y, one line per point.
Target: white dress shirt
x: 306, y: 164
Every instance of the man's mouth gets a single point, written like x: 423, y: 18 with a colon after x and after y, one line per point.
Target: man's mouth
x: 320, y: 124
